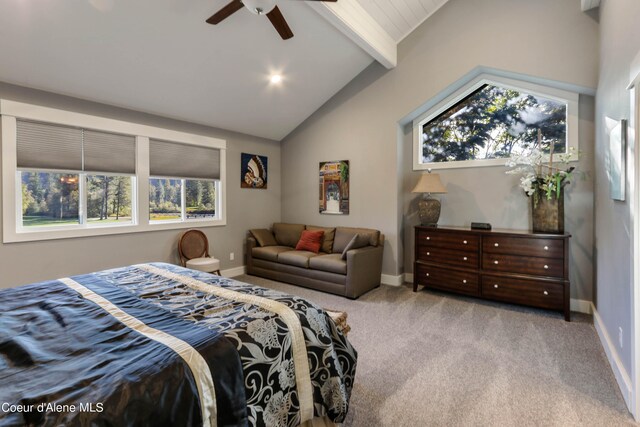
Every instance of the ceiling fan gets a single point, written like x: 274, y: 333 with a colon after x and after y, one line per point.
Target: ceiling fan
x: 258, y: 7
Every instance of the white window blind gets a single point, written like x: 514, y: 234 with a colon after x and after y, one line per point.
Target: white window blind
x: 172, y: 159
x: 57, y: 147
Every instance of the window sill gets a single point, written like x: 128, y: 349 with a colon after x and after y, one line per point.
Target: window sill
x: 38, y: 235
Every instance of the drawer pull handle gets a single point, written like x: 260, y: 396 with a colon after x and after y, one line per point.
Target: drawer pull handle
x: 546, y: 293
x: 546, y: 267
x: 464, y: 242
x: 464, y: 258
x: 428, y: 253
x: 495, y: 262
x: 464, y: 280
x: 546, y: 248
x: 428, y: 238
x: 427, y: 274
x: 495, y: 286
x: 496, y: 244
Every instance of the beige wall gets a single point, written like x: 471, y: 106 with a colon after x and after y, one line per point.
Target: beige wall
x: 246, y: 208
x: 360, y: 124
x: 619, y: 45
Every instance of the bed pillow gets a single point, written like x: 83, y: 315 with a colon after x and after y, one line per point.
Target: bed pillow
x: 327, y: 240
x: 310, y: 241
x: 264, y: 237
x: 287, y: 234
x: 358, y: 241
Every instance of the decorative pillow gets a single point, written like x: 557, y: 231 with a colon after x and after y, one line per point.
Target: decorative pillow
x: 264, y: 237
x: 358, y: 241
x: 287, y: 234
x: 327, y: 240
x: 310, y: 241
x: 345, y: 234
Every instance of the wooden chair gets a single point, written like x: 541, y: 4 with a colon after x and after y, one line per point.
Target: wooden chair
x: 193, y: 248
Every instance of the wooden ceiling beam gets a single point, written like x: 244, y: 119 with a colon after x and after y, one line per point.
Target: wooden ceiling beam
x: 352, y: 20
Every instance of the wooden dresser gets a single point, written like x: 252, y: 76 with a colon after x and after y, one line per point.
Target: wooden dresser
x: 510, y: 266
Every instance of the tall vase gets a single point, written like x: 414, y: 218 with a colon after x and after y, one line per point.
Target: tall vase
x: 547, y: 214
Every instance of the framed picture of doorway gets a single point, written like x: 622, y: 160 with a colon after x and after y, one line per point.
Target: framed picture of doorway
x: 334, y: 187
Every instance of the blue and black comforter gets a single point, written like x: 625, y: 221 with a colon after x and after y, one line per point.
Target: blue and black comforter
x: 156, y: 344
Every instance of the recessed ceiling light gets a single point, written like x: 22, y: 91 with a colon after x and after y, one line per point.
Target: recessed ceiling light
x: 275, y: 78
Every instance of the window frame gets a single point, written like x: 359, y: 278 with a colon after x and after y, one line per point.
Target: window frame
x: 571, y: 99
x: 10, y: 111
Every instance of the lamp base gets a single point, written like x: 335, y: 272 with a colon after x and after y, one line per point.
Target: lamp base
x: 429, y: 212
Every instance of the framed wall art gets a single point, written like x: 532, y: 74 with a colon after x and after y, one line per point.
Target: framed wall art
x: 253, y: 171
x: 334, y: 187
x: 617, y: 160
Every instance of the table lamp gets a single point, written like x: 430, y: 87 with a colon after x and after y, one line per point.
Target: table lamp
x: 429, y: 208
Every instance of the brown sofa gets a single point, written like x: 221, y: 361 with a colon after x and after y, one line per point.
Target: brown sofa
x: 272, y: 254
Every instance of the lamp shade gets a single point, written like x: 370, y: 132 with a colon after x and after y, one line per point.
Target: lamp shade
x: 429, y: 183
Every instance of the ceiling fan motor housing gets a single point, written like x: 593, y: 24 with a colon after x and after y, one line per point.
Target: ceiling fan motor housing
x: 259, y: 7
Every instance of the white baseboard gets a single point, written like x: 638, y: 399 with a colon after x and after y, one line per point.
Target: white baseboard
x: 388, y: 279
x: 233, y: 272
x: 622, y: 377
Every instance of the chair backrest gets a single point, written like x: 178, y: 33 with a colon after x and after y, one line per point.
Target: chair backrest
x: 193, y: 244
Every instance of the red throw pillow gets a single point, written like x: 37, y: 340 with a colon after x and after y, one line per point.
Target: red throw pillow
x: 310, y: 241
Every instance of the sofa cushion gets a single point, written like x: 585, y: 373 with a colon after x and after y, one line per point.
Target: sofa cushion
x: 310, y: 241
x: 327, y: 240
x: 297, y: 258
x: 345, y: 234
x: 358, y: 241
x: 264, y: 237
x: 287, y: 234
x: 332, y: 263
x: 270, y: 253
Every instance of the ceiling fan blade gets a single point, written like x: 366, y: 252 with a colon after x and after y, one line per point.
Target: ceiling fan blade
x: 225, y: 12
x: 279, y: 23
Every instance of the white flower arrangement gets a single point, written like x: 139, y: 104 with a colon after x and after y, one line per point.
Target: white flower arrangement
x: 540, y: 173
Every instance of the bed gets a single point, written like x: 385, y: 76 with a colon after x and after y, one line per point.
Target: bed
x: 156, y: 344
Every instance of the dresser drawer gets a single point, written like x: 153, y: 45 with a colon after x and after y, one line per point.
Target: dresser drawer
x: 547, y: 248
x: 448, y: 280
x: 448, y: 256
x: 523, y: 265
x: 523, y: 291
x: 460, y: 241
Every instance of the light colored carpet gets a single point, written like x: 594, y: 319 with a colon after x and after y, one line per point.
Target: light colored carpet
x: 435, y: 359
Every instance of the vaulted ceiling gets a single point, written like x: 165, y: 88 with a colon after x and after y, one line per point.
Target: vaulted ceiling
x: 160, y: 57
x: 400, y: 17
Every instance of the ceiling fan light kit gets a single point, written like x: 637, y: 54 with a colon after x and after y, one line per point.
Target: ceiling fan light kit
x: 257, y: 7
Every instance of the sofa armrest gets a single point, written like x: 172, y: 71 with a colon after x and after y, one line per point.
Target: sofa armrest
x: 364, y: 267
x: 251, y: 243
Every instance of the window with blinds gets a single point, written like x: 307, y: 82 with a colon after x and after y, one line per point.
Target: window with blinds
x: 69, y: 174
x: 184, y: 181
x: 55, y: 147
x: 73, y: 176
